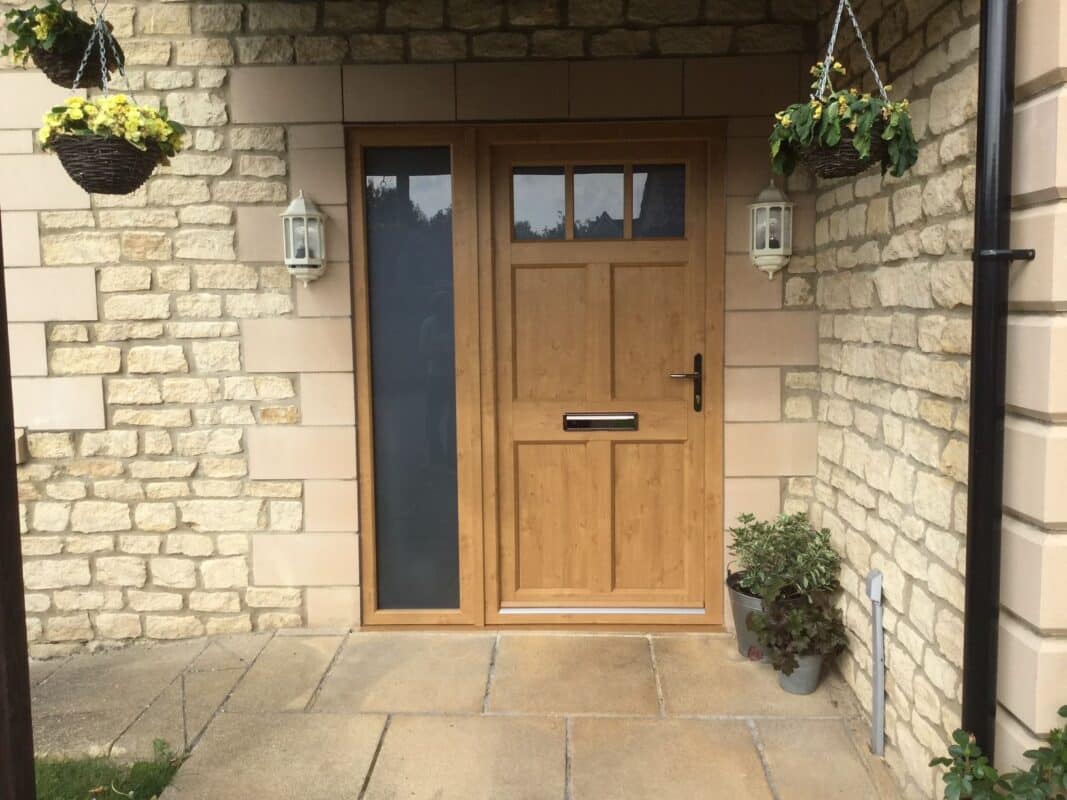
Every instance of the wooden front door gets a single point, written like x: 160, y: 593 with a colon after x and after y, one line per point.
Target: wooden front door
x: 608, y: 469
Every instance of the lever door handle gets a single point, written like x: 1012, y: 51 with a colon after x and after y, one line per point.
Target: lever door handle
x: 697, y: 377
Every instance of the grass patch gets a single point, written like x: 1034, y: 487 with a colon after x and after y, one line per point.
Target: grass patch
x: 103, y: 779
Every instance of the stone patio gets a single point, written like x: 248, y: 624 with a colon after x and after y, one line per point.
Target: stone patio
x: 446, y: 715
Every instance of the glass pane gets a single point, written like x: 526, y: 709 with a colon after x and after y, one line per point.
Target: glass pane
x: 409, y: 263
x: 299, y: 238
x: 761, y: 228
x: 314, y: 249
x: 539, y: 202
x: 598, y: 202
x: 774, y: 229
x: 659, y: 201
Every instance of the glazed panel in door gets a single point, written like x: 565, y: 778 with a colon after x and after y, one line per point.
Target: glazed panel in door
x: 599, y: 299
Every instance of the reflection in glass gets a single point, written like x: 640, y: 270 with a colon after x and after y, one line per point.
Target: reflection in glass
x: 408, y: 196
x: 598, y: 202
x: 539, y: 202
x: 659, y: 201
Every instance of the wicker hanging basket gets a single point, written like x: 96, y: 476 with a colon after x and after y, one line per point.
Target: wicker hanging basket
x: 106, y: 164
x: 844, y: 160
x: 61, y: 63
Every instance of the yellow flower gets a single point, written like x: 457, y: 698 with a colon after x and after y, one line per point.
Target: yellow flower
x: 75, y: 113
x: 786, y: 121
x: 853, y: 125
x: 74, y: 102
x: 817, y: 114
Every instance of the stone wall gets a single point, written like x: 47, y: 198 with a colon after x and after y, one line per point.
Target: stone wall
x: 189, y: 411
x: 894, y: 292
x: 1033, y: 632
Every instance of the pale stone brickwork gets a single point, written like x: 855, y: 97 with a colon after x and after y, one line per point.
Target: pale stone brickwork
x: 189, y: 411
x: 894, y: 292
x: 1034, y: 598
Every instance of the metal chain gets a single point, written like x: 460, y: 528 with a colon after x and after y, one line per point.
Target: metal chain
x: 828, y: 62
x: 102, y: 38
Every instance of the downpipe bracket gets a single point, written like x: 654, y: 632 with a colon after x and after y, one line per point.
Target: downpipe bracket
x: 1004, y: 255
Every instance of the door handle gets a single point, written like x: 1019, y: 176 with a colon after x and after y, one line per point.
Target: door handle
x: 697, y: 377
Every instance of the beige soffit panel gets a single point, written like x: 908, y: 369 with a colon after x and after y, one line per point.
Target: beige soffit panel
x: 1039, y: 173
x: 636, y: 88
x: 520, y: 90
x: 51, y: 294
x: 303, y: 137
x: 1012, y: 741
x: 752, y: 394
x: 749, y: 289
x: 1036, y: 381
x: 399, y: 93
x: 38, y: 182
x: 329, y: 296
x: 762, y: 449
x: 331, y: 505
x: 1030, y: 675
x: 739, y: 86
x: 25, y: 96
x: 1034, y: 563
x: 1041, y: 283
x: 297, y: 345
x: 761, y: 497
x: 16, y: 142
x: 298, y: 452
x: 22, y: 239
x: 285, y: 94
x: 59, y: 404
x: 28, y: 350
x: 320, y: 175
x: 1041, y: 46
x: 771, y: 338
x: 327, y: 398
x: 305, y: 559
x: 333, y: 607
x: 1035, y: 461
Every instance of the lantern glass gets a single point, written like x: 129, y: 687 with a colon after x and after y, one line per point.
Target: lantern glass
x: 287, y: 231
x: 774, y: 229
x: 760, y: 229
x: 314, y: 240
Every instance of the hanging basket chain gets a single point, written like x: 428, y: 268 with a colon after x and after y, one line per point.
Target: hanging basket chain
x: 824, y: 79
x: 102, y: 38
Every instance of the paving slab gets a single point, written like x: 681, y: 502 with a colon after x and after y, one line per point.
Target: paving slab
x: 565, y: 674
x: 705, y: 675
x: 791, y: 747
x: 41, y: 671
x: 164, y: 719
x: 205, y: 692
x: 231, y: 651
x: 90, y: 701
x: 409, y: 673
x: 471, y: 758
x: 280, y: 755
x: 286, y: 674
x: 631, y: 759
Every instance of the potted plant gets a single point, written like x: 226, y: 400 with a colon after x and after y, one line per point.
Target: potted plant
x: 59, y: 41
x: 800, y: 631
x: 843, y: 132
x: 110, y: 145
x: 786, y: 551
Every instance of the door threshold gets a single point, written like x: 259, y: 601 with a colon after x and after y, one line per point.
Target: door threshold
x: 541, y: 610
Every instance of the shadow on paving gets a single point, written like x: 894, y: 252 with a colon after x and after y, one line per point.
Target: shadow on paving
x: 521, y: 716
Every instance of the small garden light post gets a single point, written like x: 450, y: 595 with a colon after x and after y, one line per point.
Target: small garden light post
x: 304, y: 239
x: 771, y: 230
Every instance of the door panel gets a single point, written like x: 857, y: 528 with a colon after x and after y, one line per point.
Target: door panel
x: 594, y: 321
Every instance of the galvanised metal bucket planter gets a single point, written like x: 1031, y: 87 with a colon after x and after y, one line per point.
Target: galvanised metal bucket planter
x: 741, y: 605
x: 805, y: 678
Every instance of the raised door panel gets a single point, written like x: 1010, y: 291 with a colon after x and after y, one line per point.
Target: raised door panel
x: 649, y: 501
x: 555, y: 520
x: 649, y: 331
x: 550, y: 333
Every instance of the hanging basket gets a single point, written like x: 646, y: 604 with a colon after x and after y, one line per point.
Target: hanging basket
x: 61, y: 63
x: 106, y: 164
x: 843, y: 160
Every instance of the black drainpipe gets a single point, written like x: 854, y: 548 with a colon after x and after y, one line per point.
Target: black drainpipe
x: 992, y: 258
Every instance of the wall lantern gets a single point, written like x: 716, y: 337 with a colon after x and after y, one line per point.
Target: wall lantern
x: 771, y: 230
x: 304, y: 239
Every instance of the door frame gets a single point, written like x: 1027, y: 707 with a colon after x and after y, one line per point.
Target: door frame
x: 476, y: 423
